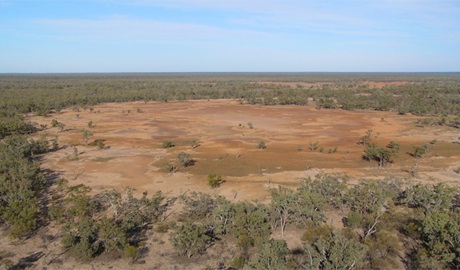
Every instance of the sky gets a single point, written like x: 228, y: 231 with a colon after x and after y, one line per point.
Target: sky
x: 70, y: 36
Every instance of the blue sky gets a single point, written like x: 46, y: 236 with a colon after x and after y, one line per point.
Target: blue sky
x: 229, y: 36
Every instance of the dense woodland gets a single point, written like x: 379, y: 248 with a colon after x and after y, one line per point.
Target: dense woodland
x: 387, y: 224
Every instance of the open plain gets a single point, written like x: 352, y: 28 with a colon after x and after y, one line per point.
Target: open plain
x: 81, y: 145
x: 217, y: 135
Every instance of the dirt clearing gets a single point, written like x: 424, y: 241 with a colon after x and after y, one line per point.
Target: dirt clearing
x: 222, y: 137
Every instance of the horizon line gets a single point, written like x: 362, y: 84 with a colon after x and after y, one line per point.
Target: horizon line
x: 229, y: 72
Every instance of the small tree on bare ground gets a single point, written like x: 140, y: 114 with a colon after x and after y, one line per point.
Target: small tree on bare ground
x: 383, y: 155
x: 86, y: 134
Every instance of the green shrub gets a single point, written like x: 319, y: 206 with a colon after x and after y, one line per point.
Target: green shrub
x: 262, y: 145
x: 314, y: 146
x: 185, y: 159
x: 354, y: 219
x: 162, y: 227
x: 190, y: 239
x: 420, y: 151
x: 214, y: 180
x: 170, y: 167
x: 131, y: 252
x: 167, y: 144
x: 237, y: 262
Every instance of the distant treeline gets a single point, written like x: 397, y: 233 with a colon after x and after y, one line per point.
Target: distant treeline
x: 426, y: 94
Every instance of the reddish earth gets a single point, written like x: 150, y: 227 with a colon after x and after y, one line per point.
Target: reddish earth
x: 228, y: 146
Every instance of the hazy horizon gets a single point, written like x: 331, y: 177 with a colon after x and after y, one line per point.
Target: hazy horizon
x: 242, y: 73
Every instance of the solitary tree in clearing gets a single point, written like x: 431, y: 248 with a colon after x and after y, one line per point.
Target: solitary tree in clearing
x: 381, y: 154
x: 214, y: 180
x: 262, y: 145
x: 184, y: 159
x: 86, y: 134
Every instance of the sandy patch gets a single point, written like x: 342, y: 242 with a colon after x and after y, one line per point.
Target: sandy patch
x: 135, y: 132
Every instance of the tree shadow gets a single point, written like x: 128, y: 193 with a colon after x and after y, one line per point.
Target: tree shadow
x: 191, y: 163
x: 297, y: 251
x: 27, y: 262
x: 51, y: 176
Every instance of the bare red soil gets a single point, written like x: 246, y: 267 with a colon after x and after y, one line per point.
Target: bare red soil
x: 229, y: 147
x: 134, y: 133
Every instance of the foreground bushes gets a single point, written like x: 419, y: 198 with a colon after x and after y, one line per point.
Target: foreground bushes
x: 21, y: 184
x: 384, y: 221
